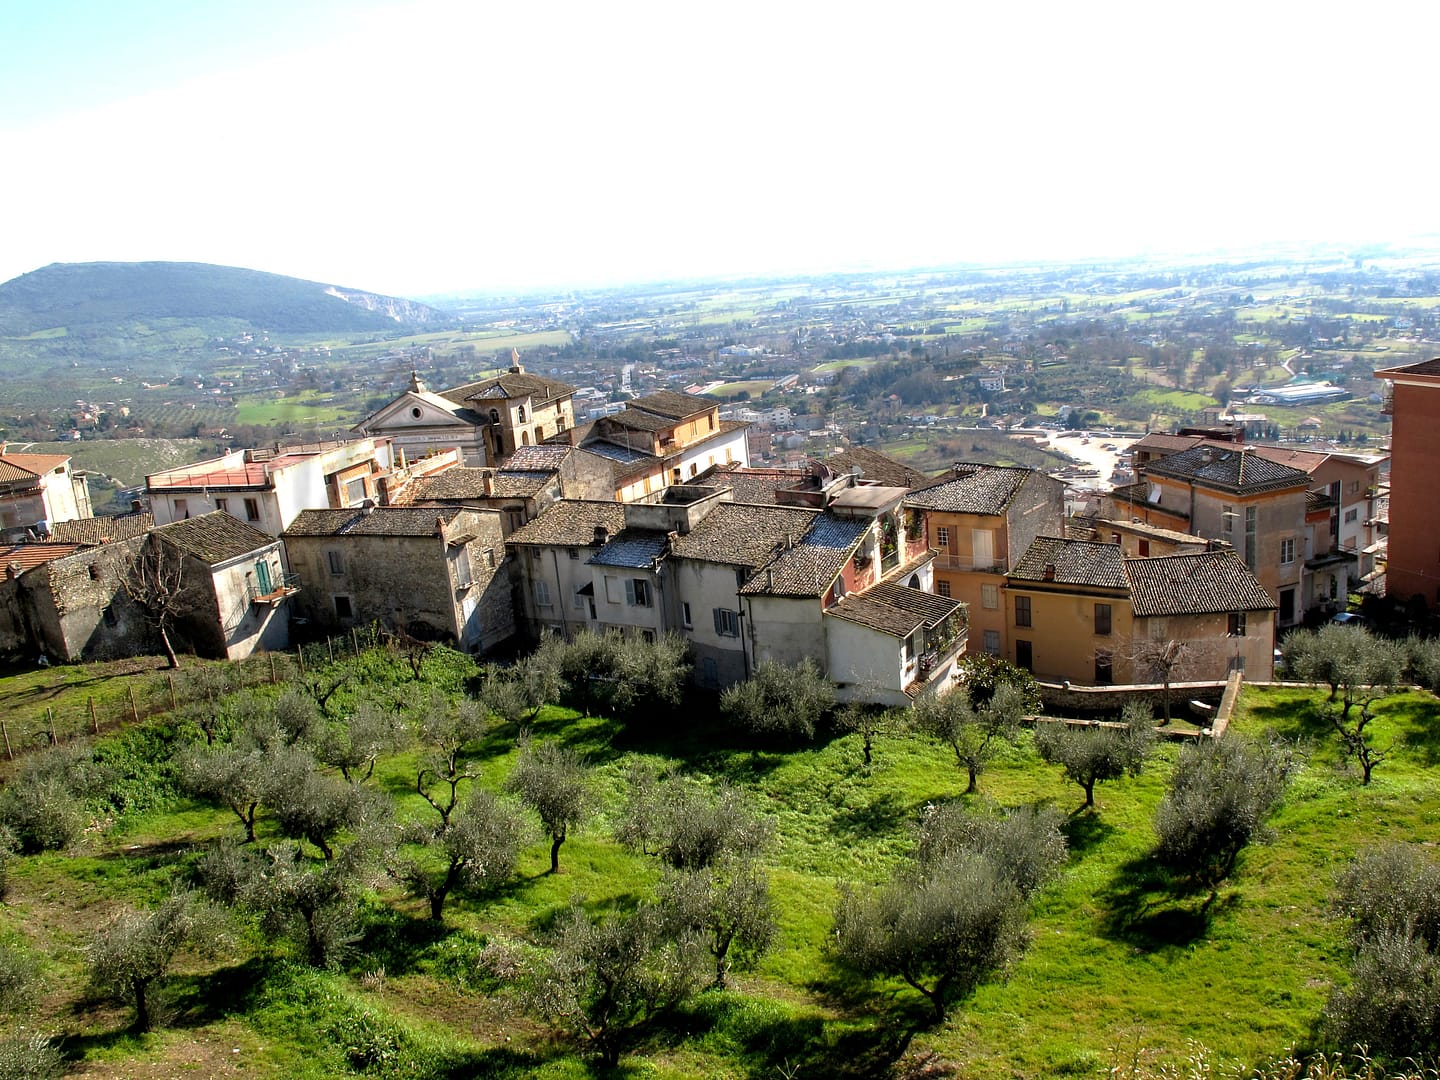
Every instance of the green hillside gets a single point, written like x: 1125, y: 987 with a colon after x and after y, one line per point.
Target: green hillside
x: 61, y: 297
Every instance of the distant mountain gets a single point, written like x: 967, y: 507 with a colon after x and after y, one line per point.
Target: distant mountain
x: 75, y: 295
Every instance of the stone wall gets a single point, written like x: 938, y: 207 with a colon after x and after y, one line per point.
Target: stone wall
x: 1107, y: 701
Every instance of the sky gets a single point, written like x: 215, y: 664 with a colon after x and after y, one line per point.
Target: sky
x: 430, y: 147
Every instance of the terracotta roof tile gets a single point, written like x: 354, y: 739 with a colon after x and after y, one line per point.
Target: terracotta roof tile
x: 638, y: 549
x: 509, y: 386
x: 1075, y: 562
x: 380, y: 521
x: 1200, y: 583
x: 1240, y: 471
x: 215, y: 537
x: 674, y: 405
x: 876, y: 466
x: 102, y: 530
x: 971, y: 489
x: 741, y: 534
x: 571, y: 523
x: 29, y: 556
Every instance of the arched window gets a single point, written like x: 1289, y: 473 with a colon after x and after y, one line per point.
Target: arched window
x: 520, y: 413
x: 494, y: 416
x: 525, y: 438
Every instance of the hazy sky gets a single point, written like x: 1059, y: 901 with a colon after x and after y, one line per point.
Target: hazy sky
x: 424, y: 147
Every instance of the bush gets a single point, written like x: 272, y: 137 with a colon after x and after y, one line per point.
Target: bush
x: 29, y: 1057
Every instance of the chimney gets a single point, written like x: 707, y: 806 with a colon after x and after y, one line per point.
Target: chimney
x: 1049, y: 571
x: 12, y: 571
x: 367, y: 507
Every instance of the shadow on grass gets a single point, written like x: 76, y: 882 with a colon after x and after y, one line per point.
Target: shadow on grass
x: 884, y: 815
x: 773, y: 1042
x: 1154, y: 911
x: 1085, y: 830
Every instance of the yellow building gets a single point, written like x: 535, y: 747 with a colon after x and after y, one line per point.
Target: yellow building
x: 1081, y: 612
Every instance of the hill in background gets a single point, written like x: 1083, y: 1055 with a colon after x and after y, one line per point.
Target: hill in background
x: 72, y: 296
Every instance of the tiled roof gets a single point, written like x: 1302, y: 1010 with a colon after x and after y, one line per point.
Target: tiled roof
x: 509, y: 386
x: 28, y: 556
x: 215, y: 537
x: 1196, y: 584
x: 38, y: 464
x: 635, y: 420
x: 548, y: 458
x: 803, y: 571
x: 1075, y: 562
x: 469, y: 483
x: 9, y: 473
x: 621, y: 455
x: 829, y: 531
x: 895, y: 609
x: 971, y: 489
x: 1154, y: 532
x: 876, y: 466
x: 751, y: 485
x: 571, y: 523
x: 639, y: 549
x: 1240, y: 471
x: 102, y: 530
x: 741, y: 534
x: 674, y: 405
x: 380, y: 521
x: 1424, y: 367
x: 1159, y: 440
x: 931, y: 607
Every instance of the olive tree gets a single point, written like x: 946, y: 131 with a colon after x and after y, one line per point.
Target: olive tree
x: 1092, y: 753
x: 727, y: 903
x: 689, y: 825
x: 555, y: 783
x: 783, y: 700
x: 477, y: 848
x: 135, y: 949
x: 973, y: 732
x: 1220, y: 794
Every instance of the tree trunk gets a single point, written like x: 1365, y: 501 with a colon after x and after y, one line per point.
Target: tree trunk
x: 1089, y: 786
x: 555, y: 853
x: 142, y: 1005
x: 974, y: 780
x: 171, y: 659
x: 867, y: 751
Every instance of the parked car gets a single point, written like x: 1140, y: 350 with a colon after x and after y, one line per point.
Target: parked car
x: 1349, y: 618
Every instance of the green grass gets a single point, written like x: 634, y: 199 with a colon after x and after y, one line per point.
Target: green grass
x: 754, y: 387
x: 128, y: 460
x: 308, y: 405
x: 1116, y: 958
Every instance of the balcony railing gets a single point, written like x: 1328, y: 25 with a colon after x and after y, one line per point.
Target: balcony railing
x: 993, y: 564
x: 281, y: 587
x: 1387, y: 406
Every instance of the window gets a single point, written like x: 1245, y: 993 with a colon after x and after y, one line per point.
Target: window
x: 1022, y: 611
x: 109, y: 616
x: 1354, y: 486
x: 1351, y: 515
x: 727, y: 622
x: 637, y: 592
x: 1144, y: 547
x: 464, y: 572
x: 579, y: 600
x: 1287, y: 551
x: 612, y: 589
x: 1104, y: 669
x: 94, y: 572
x: 1227, y: 519
x: 942, y: 536
x: 992, y: 642
x: 355, y: 491
x: 520, y: 413
x: 910, y: 647
x: 182, y: 508
x: 685, y: 615
x: 1025, y: 655
x: 990, y: 597
x: 837, y: 591
x: 1102, y: 620
x: 1237, y: 624
x: 222, y: 504
x: 943, y: 589
x: 489, y: 558
x: 415, y: 412
x: 494, y: 416
x: 252, y: 509
x: 542, y: 594
x: 1250, y: 537
x: 336, y: 561
x: 343, y: 610
x: 1287, y: 606
x: 572, y: 553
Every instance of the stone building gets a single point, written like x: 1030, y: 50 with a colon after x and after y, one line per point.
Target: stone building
x: 1413, y: 561
x: 437, y: 574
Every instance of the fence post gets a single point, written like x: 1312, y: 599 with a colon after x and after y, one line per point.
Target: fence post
x: 355, y: 641
x: 94, y: 720
x: 300, y: 655
x: 5, y: 730
x: 171, y: 680
x: 50, y: 722
x: 330, y: 648
x: 134, y: 709
x: 272, y: 669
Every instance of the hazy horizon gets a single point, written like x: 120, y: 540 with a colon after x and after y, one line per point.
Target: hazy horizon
x: 438, y: 148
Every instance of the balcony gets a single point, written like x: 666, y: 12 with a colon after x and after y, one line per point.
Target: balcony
x: 1387, y: 406
x: 991, y: 564
x: 285, y: 585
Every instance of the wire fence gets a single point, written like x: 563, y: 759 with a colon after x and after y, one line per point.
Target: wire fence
x: 75, y: 716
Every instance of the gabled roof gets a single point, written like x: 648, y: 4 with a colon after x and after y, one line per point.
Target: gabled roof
x: 1424, y: 367
x: 509, y: 386
x: 571, y: 523
x: 1074, y: 562
x: 1171, y: 444
x: 34, y: 464
x: 1153, y: 532
x: 546, y: 458
x: 28, y: 556
x: 636, y: 420
x: 674, y: 405
x: 378, y: 521
x: 464, y: 482
x: 1240, y: 471
x: 971, y: 489
x: 215, y: 537
x: 810, y: 567
x: 92, y: 532
x: 1199, y: 583
x: 877, y: 467
x: 740, y: 534
x: 637, y: 549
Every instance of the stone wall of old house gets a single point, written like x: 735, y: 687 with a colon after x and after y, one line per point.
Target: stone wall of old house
x: 79, y: 607
x: 1038, y: 509
x: 15, y: 636
x: 487, y: 607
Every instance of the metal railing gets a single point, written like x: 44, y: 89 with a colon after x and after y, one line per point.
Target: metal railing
x: 281, y: 586
x: 993, y: 564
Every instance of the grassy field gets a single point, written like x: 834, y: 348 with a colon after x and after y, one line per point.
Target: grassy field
x: 1116, y: 958
x: 754, y: 387
x: 128, y: 460
x: 308, y: 406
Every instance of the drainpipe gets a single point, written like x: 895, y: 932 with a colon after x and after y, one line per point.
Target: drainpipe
x: 564, y: 622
